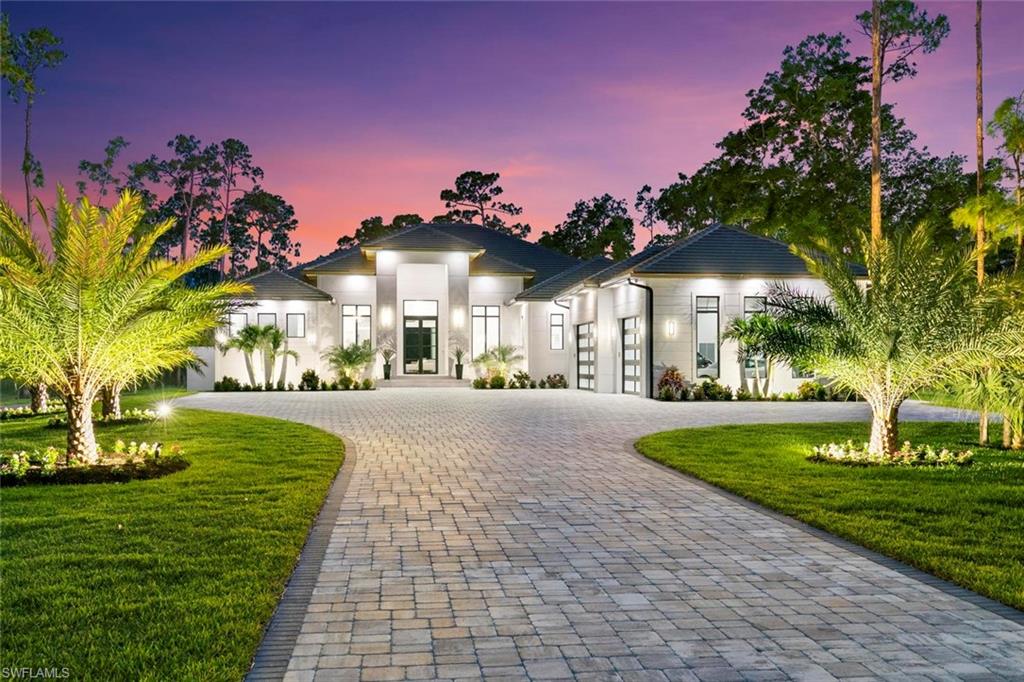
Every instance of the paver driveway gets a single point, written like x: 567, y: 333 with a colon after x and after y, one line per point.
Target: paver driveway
x: 512, y: 535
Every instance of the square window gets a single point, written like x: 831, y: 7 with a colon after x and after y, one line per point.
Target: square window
x: 296, y: 323
x: 265, y: 319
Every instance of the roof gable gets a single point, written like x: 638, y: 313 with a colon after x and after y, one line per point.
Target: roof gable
x: 557, y: 285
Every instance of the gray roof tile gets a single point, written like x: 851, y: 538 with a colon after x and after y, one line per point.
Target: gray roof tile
x: 553, y: 287
x: 277, y: 285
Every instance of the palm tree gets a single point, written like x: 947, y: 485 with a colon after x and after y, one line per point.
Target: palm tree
x: 273, y: 344
x: 248, y: 340
x: 1008, y: 123
x: 499, y: 360
x: 755, y: 335
x: 349, y: 361
x: 101, y: 308
x: 921, y: 318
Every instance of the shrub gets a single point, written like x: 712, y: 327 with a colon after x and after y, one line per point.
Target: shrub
x: 557, y: 381
x: 790, y: 397
x: 774, y: 397
x: 671, y: 385
x: 291, y: 386
x: 309, y: 381
x: 324, y: 386
x: 367, y: 384
x: 743, y: 393
x: 480, y: 382
x: 533, y: 384
x: 710, y: 389
x: 520, y: 380
x: 280, y: 384
x: 812, y: 390
x: 227, y: 384
x: 908, y: 455
x: 497, y: 381
x: 543, y: 383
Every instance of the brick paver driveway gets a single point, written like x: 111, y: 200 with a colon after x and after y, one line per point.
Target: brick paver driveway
x: 512, y: 535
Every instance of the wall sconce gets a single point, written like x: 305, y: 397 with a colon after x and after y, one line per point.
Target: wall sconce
x: 458, y: 317
x: 670, y: 328
x: 221, y: 337
x: 311, y: 337
x: 387, y: 317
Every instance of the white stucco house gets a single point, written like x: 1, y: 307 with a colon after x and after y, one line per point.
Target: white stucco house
x: 609, y: 327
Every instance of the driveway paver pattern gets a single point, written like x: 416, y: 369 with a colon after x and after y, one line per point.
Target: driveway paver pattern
x: 510, y: 535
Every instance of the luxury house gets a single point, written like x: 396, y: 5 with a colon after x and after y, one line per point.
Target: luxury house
x: 610, y: 327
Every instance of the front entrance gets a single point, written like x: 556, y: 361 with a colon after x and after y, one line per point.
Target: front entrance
x: 420, y: 345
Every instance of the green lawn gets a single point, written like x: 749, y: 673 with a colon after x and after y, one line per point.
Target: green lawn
x: 964, y: 525
x: 169, y: 579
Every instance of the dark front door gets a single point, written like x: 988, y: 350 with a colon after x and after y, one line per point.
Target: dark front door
x: 420, y: 345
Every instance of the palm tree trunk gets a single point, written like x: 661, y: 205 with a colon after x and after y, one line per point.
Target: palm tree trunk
x: 268, y: 368
x: 26, y: 163
x: 111, y: 402
x: 979, y: 138
x: 877, y: 65
x: 885, y: 434
x: 983, y: 426
x: 249, y: 369
x: 1007, y: 432
x: 81, y: 438
x: 284, y: 371
x: 1017, y: 442
x: 40, y: 399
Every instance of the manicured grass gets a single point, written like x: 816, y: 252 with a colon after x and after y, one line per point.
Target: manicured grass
x: 960, y: 524
x: 168, y: 579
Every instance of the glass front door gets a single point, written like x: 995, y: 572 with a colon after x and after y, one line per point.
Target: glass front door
x: 420, y: 347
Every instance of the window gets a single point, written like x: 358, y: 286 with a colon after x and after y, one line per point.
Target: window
x: 631, y: 355
x: 707, y: 337
x: 752, y: 305
x: 585, y: 356
x: 557, y: 334
x: 486, y: 328
x: 419, y: 308
x: 235, y: 323
x: 355, y: 324
x: 296, y: 323
x: 264, y: 319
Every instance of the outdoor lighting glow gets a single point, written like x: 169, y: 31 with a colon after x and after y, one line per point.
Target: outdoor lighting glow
x: 163, y: 410
x: 670, y: 328
x: 221, y: 337
x: 311, y: 337
x: 387, y: 317
x: 458, y: 318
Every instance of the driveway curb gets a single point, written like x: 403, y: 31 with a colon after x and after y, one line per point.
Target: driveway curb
x: 952, y: 589
x: 282, y: 631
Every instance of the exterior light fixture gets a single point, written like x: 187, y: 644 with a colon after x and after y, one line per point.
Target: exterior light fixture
x: 387, y: 317
x: 458, y: 317
x: 670, y: 328
x: 221, y: 337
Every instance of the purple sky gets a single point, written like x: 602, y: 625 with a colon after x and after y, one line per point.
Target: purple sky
x: 356, y: 110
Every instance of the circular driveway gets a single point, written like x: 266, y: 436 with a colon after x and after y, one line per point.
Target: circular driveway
x: 512, y: 535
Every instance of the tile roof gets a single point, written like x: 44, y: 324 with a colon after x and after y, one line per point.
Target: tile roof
x: 487, y: 264
x: 543, y: 261
x: 623, y: 266
x: 724, y: 250
x: 278, y: 285
x: 553, y: 287
x: 349, y: 260
x: 421, y: 237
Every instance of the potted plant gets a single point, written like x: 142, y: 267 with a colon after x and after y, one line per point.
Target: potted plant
x: 386, y: 348
x: 458, y: 353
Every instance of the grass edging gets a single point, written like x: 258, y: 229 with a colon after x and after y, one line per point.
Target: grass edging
x: 270, y: 662
x: 996, y: 607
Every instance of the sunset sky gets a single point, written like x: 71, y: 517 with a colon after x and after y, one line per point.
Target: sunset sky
x: 356, y: 110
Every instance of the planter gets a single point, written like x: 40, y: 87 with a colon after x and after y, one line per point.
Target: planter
x: 458, y: 372
x: 387, y: 371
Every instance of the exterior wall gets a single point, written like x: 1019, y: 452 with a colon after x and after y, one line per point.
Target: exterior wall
x: 541, y: 360
x: 627, y: 301
x: 498, y: 290
x: 674, y: 324
x: 322, y: 325
x: 582, y: 309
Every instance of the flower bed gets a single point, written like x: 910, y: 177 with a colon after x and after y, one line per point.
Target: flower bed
x: 134, y: 461
x: 310, y: 382
x: 521, y: 380
x: 852, y: 454
x: 22, y: 412
x: 131, y: 416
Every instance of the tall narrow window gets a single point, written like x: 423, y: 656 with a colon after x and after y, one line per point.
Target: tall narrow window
x: 296, y: 324
x: 557, y: 334
x: 355, y: 324
x: 236, y: 321
x: 707, y: 337
x: 486, y: 328
x: 752, y: 305
x: 266, y: 319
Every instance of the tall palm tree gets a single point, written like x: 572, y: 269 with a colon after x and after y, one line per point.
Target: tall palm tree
x: 920, y: 318
x: 274, y: 346
x: 101, y: 307
x: 248, y: 340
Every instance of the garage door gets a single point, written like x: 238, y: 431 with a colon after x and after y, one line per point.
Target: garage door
x: 585, y: 356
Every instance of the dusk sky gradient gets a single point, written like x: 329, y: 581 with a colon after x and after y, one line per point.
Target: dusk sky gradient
x: 356, y: 110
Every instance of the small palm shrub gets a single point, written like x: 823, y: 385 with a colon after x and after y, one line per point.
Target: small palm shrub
x: 309, y: 381
x: 349, y: 360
